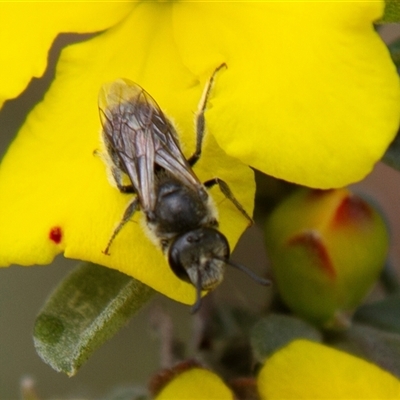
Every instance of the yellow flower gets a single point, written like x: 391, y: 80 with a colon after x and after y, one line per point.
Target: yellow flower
x: 310, y: 95
x: 301, y: 370
x: 196, y: 383
x: 307, y: 370
x: 27, y: 31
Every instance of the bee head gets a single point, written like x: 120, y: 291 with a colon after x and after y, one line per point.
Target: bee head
x: 200, y: 256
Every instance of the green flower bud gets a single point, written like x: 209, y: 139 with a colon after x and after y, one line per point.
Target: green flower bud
x: 327, y: 249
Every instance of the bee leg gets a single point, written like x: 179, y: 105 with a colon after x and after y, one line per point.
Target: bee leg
x: 116, y: 173
x: 223, y: 186
x: 200, y: 121
x: 130, y: 210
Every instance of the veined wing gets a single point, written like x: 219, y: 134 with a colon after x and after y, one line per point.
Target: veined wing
x: 138, y: 136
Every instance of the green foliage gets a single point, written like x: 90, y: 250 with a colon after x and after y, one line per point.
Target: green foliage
x: 86, y: 309
x: 375, y: 345
x: 276, y: 331
x: 392, y: 11
x: 383, y: 314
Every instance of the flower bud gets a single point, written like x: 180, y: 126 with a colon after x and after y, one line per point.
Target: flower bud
x: 327, y: 249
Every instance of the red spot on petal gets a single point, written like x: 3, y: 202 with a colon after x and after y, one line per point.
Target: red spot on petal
x: 352, y: 210
x: 55, y: 234
x: 311, y: 241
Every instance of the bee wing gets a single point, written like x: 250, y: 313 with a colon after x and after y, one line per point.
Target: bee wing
x: 138, y: 136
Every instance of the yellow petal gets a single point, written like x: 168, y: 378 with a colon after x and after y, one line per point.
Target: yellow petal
x: 27, y: 31
x: 307, y: 370
x: 310, y: 95
x: 51, y: 182
x: 194, y: 384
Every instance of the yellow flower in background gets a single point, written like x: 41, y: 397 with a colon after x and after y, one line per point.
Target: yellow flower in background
x: 196, y: 383
x: 301, y: 370
x: 307, y: 370
x: 309, y: 95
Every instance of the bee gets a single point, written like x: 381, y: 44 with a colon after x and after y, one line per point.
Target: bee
x: 142, y: 144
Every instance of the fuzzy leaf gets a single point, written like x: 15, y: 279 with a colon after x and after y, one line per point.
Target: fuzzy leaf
x: 383, y: 314
x: 88, y: 307
x: 276, y: 331
x: 375, y: 345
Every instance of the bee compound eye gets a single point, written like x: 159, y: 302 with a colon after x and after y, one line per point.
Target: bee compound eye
x: 177, y: 255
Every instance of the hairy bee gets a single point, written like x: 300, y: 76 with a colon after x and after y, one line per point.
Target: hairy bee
x: 142, y: 144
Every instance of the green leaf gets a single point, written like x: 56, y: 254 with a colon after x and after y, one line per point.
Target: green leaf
x: 89, y: 306
x: 384, y: 314
x: 390, y: 279
x: 377, y: 346
x: 392, y: 11
x: 275, y: 331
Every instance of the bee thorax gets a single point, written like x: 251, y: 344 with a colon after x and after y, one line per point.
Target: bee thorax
x: 179, y: 209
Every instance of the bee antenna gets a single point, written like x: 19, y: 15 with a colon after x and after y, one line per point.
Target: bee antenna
x: 247, y: 271
x: 197, y: 304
